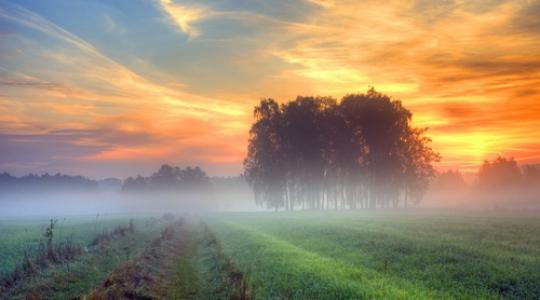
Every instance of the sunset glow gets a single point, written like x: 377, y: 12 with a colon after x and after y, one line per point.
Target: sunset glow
x: 115, y: 88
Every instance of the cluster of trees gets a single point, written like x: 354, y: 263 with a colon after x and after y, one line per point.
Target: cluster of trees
x: 504, y: 173
x: 499, y: 174
x: 500, y: 182
x: 450, y: 180
x: 318, y: 153
x: 169, y: 178
x: 503, y: 180
x: 45, y: 182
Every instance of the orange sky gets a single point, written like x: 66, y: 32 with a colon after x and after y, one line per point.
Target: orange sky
x: 99, y: 89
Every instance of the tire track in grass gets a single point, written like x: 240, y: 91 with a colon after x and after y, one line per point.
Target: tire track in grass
x: 184, y: 263
x: 404, y: 261
x: 145, y: 277
x: 437, y: 265
x: 278, y: 269
x: 414, y: 230
x: 465, y: 271
x: 217, y: 276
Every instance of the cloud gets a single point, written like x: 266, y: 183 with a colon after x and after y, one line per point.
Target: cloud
x: 112, y: 26
x: 65, y: 93
x: 526, y: 20
x: 323, y: 3
x: 457, y: 66
x: 184, y: 16
x: 469, y: 71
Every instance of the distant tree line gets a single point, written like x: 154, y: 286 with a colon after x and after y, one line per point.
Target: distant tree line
x: 320, y: 153
x: 449, y: 180
x: 504, y: 173
x: 169, y: 178
x: 45, y: 182
x: 499, y: 183
x: 499, y: 174
x: 166, y: 179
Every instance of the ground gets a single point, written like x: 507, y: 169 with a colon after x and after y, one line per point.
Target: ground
x: 302, y: 255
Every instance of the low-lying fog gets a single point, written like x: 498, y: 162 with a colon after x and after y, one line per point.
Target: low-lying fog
x: 499, y: 186
x: 108, y: 202
x: 58, y: 203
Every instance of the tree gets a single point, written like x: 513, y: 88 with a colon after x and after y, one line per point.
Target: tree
x: 193, y: 178
x: 264, y: 164
x: 312, y: 151
x: 169, y: 178
x: 498, y: 174
x: 531, y: 175
x: 449, y: 180
x: 418, y: 160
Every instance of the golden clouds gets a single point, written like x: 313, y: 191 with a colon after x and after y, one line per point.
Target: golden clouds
x: 468, y: 71
x: 183, y: 16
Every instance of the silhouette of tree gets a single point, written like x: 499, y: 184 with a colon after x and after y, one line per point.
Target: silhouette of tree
x: 169, y: 178
x: 500, y: 173
x: 531, y: 175
x: 417, y: 168
x: 315, y: 153
x: 32, y: 183
x: 193, y: 177
x: 264, y: 164
x: 449, y: 180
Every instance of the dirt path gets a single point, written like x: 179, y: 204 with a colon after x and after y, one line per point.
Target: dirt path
x: 185, y: 262
x: 143, y: 277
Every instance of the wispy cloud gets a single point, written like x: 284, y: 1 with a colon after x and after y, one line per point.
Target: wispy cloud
x: 184, y: 16
x: 95, y: 107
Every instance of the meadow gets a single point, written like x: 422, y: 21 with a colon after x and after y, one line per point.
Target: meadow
x: 300, y: 255
x: 66, y: 278
x: 20, y: 234
x: 392, y: 255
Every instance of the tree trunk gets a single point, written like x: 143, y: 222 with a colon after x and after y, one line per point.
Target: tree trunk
x: 406, y: 196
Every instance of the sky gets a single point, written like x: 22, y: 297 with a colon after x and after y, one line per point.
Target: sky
x: 116, y: 88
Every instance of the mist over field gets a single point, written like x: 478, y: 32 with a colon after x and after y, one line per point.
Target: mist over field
x: 58, y: 201
x: 503, y: 192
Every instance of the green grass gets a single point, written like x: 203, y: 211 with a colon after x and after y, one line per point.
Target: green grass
x: 351, y: 255
x: 309, y: 255
x: 67, y: 281
x: 19, y: 234
x: 89, y: 270
x: 202, y: 271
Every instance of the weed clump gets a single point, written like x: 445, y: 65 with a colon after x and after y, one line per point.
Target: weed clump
x: 49, y: 251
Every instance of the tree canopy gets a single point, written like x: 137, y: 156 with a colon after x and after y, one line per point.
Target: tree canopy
x: 169, y: 178
x: 317, y: 153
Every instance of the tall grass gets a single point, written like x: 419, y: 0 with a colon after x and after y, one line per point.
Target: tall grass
x: 53, y: 249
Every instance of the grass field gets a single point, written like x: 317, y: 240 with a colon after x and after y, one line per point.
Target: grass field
x: 163, y: 258
x: 18, y: 234
x: 69, y: 280
x: 383, y: 255
x: 303, y: 255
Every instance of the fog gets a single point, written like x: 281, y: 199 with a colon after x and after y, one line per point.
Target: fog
x: 471, y: 199
x: 501, y: 185
x: 69, y: 203
x: 170, y: 189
